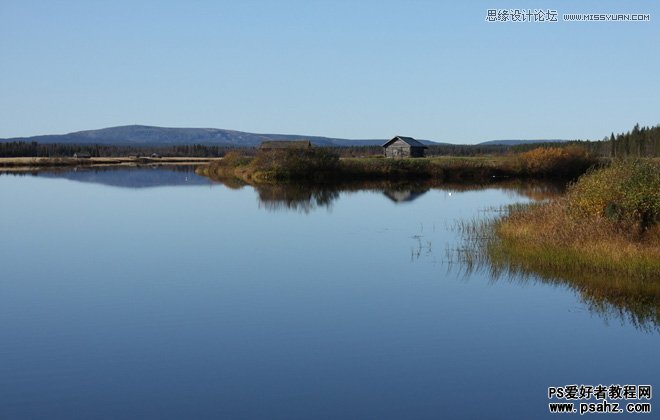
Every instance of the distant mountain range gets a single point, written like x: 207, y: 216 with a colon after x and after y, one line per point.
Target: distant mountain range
x: 143, y: 135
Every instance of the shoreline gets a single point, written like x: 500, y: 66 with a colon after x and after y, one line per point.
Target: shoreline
x: 601, y: 237
x: 321, y: 167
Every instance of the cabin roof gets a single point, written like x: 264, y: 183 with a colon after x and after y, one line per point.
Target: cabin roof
x: 408, y: 140
x: 400, y: 196
x: 285, y: 144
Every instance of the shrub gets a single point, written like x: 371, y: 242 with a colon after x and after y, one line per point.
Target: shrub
x: 558, y: 161
x: 603, y: 236
x: 311, y: 164
x: 627, y: 192
x: 234, y: 159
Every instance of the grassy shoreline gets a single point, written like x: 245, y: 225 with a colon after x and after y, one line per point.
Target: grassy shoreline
x: 323, y: 166
x: 618, y: 256
x: 608, y: 222
x: 602, y: 238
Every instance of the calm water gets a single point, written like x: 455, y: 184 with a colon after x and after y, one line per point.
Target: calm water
x: 151, y: 293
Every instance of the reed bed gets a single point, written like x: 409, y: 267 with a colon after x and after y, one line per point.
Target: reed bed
x: 601, y: 238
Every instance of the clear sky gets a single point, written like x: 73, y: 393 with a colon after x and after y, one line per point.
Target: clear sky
x: 354, y: 69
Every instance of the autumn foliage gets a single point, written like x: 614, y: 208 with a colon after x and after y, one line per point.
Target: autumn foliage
x: 555, y: 161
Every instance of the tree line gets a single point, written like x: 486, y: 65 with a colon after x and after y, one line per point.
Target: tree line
x: 34, y: 149
x: 638, y: 142
x: 643, y: 141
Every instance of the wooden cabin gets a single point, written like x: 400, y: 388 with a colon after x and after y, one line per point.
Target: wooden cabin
x: 285, y: 145
x: 81, y: 155
x: 403, y: 147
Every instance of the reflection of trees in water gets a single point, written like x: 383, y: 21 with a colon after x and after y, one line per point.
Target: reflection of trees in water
x: 307, y: 197
x: 626, y: 299
x: 301, y: 198
x: 636, y: 304
x: 533, y: 189
x: 231, y: 183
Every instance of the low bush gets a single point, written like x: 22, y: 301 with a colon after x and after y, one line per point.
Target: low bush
x: 626, y: 192
x: 288, y: 164
x: 325, y: 165
x: 564, y: 162
x: 606, y: 223
x: 234, y: 159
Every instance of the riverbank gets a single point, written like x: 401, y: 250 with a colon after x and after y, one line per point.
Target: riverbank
x: 602, y: 238
x: 324, y: 166
x: 32, y: 163
x: 608, y: 222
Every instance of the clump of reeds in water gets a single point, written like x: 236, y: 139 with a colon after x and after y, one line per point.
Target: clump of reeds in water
x: 601, y: 238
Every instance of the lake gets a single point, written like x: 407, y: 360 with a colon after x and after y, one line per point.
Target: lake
x: 156, y: 293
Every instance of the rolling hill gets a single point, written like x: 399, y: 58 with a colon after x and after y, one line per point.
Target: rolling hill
x: 142, y: 135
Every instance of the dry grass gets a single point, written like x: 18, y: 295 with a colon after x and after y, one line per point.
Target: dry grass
x: 325, y: 166
x: 552, y: 239
x: 607, y: 222
x: 612, y: 258
x: 552, y: 161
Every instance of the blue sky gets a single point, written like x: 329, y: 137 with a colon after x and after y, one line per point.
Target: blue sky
x: 354, y: 69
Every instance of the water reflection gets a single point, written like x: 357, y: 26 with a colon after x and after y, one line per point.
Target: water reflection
x: 404, y: 195
x: 300, y: 198
x: 305, y: 198
x: 141, y: 176
x: 637, y: 305
x: 626, y: 299
x: 195, y: 300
